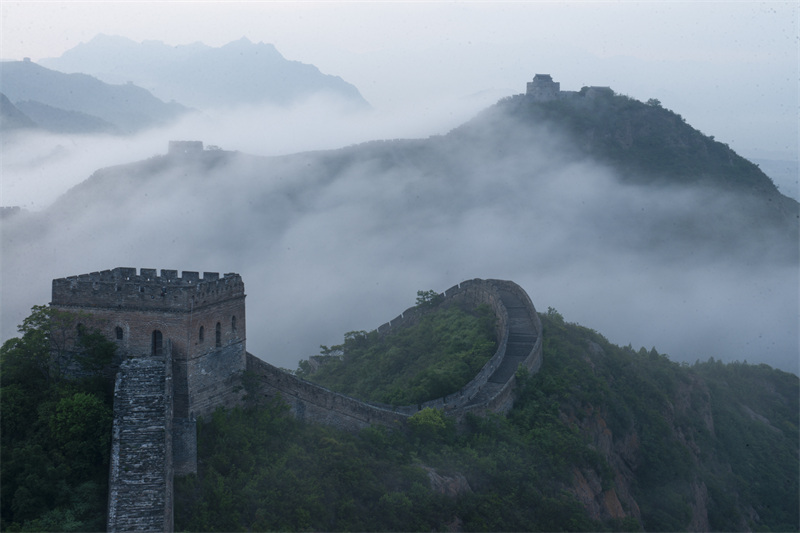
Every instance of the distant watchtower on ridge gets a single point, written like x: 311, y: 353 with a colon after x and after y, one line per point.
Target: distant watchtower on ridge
x: 543, y: 88
x: 185, y: 147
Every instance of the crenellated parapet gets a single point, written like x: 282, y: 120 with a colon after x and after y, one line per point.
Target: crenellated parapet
x: 125, y: 288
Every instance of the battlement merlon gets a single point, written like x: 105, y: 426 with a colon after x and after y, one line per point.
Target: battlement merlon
x: 124, y: 288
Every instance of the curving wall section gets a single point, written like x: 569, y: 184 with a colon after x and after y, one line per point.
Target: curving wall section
x: 519, y: 343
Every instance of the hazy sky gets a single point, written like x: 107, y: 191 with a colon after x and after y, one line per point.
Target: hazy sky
x: 730, y: 68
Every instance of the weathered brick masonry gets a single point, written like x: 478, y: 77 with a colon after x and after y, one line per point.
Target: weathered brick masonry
x: 182, y: 341
x: 182, y: 344
x: 204, y: 319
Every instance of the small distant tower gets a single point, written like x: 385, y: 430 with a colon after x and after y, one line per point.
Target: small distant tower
x: 543, y: 88
x: 185, y: 147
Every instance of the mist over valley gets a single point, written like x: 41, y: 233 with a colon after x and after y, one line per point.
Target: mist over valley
x: 692, y: 250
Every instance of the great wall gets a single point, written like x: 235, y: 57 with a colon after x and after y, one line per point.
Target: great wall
x: 182, y: 354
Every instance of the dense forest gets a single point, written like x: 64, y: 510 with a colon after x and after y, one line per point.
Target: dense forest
x: 603, y: 438
x: 56, y: 409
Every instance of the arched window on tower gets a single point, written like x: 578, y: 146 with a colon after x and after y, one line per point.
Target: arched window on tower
x: 233, y: 323
x: 118, y: 333
x: 218, y: 336
x: 202, y: 334
x: 157, y: 345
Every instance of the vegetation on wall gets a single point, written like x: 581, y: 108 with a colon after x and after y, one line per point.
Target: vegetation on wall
x: 711, y: 444
x: 56, y: 427
x: 433, y: 358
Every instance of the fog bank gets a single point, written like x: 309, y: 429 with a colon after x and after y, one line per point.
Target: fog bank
x: 331, y: 242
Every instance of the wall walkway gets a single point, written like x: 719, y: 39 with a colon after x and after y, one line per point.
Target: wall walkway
x: 519, y: 343
x: 140, y: 475
x: 149, y: 446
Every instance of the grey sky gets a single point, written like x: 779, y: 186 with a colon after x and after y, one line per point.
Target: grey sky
x: 730, y: 68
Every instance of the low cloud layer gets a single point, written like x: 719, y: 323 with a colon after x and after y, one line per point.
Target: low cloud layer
x: 38, y: 167
x: 338, y: 241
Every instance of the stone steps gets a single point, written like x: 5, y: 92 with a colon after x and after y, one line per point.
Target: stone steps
x: 138, y: 483
x: 522, y: 338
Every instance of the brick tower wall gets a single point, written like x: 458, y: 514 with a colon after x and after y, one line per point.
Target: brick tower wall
x: 132, y: 304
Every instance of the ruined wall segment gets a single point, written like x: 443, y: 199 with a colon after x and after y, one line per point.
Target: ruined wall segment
x: 185, y: 147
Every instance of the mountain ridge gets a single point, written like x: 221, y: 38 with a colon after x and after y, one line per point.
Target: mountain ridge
x: 128, y: 107
x: 237, y: 73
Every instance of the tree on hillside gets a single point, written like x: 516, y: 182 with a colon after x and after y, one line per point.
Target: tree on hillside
x: 55, y: 428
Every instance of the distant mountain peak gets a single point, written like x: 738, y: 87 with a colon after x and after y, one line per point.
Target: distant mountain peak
x: 239, y: 72
x: 104, y: 38
x: 80, y: 102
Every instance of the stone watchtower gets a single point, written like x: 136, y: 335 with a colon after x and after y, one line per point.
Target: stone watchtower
x: 182, y: 341
x: 543, y: 88
x: 202, y: 320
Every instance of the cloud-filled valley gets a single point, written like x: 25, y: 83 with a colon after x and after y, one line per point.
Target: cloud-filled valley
x: 340, y: 240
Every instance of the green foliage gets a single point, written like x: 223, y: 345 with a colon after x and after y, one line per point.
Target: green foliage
x: 260, y: 469
x: 55, y: 432
x: 429, y: 423
x: 645, y: 141
x: 79, y: 426
x: 433, y: 358
x: 429, y: 298
x: 754, y: 408
x: 593, y: 406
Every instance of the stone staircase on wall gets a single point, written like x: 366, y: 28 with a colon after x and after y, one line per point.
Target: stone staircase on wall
x: 140, y: 478
x: 522, y: 337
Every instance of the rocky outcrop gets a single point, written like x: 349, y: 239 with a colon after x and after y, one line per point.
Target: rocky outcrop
x: 600, y: 504
x: 454, y: 485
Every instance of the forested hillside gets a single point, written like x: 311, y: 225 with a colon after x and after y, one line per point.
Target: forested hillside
x: 602, y: 438
x: 429, y: 360
x: 55, y: 415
